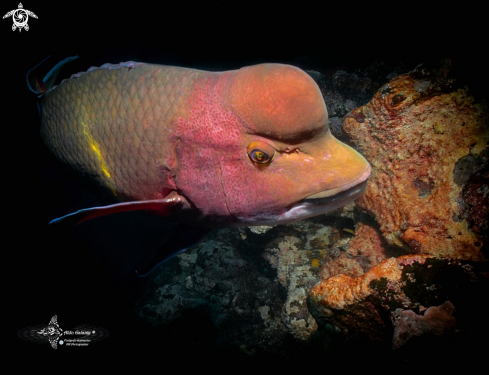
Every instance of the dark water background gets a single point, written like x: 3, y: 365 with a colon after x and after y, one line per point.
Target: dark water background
x: 76, y: 275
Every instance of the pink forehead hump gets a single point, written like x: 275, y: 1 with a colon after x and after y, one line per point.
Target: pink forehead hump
x: 277, y: 100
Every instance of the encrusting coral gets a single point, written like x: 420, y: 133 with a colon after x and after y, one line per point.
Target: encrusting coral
x: 413, y: 132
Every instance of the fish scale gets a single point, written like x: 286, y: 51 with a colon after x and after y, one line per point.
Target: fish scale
x: 112, y: 120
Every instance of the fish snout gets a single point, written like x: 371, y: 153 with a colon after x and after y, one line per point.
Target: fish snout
x: 342, y: 168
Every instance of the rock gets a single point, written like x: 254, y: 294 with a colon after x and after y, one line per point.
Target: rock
x: 436, y: 319
x: 474, y: 206
x: 469, y: 166
x: 351, y: 85
x: 252, y: 285
x: 427, y: 141
x: 382, y: 306
x: 413, y: 132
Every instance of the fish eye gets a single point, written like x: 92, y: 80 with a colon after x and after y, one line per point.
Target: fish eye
x: 260, y: 152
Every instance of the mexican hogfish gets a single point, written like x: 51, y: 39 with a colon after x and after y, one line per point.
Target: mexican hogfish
x: 236, y: 148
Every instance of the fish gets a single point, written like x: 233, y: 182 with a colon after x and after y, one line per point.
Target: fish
x: 242, y: 147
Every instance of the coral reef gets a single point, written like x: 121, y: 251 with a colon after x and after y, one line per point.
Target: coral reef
x: 474, y: 205
x: 252, y: 285
x: 413, y: 132
x: 436, y: 319
x: 426, y: 140
x: 235, y: 293
x: 382, y: 305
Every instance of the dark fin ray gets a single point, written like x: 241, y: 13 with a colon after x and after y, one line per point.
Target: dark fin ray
x: 160, y: 206
x: 33, y: 81
x: 38, y: 86
x: 184, y: 238
x: 53, y: 73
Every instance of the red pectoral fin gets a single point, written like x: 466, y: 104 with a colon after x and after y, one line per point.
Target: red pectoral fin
x: 160, y: 206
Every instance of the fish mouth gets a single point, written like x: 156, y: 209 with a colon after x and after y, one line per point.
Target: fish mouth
x: 336, y: 200
x: 328, y: 200
x: 310, y: 207
x: 317, y: 204
x: 339, y: 191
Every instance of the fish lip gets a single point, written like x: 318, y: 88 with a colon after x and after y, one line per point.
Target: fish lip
x: 357, y: 189
x: 309, y: 207
x: 337, y: 192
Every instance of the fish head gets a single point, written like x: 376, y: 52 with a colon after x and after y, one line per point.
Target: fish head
x: 290, y: 166
x: 275, y: 158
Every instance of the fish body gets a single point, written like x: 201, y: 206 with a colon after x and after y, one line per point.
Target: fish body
x: 236, y: 148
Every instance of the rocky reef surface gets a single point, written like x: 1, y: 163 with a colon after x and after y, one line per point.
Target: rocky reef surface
x: 251, y: 284
x: 413, y: 132
x: 402, y: 271
x: 412, y: 295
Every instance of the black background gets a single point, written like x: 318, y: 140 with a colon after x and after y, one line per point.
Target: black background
x: 48, y: 274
